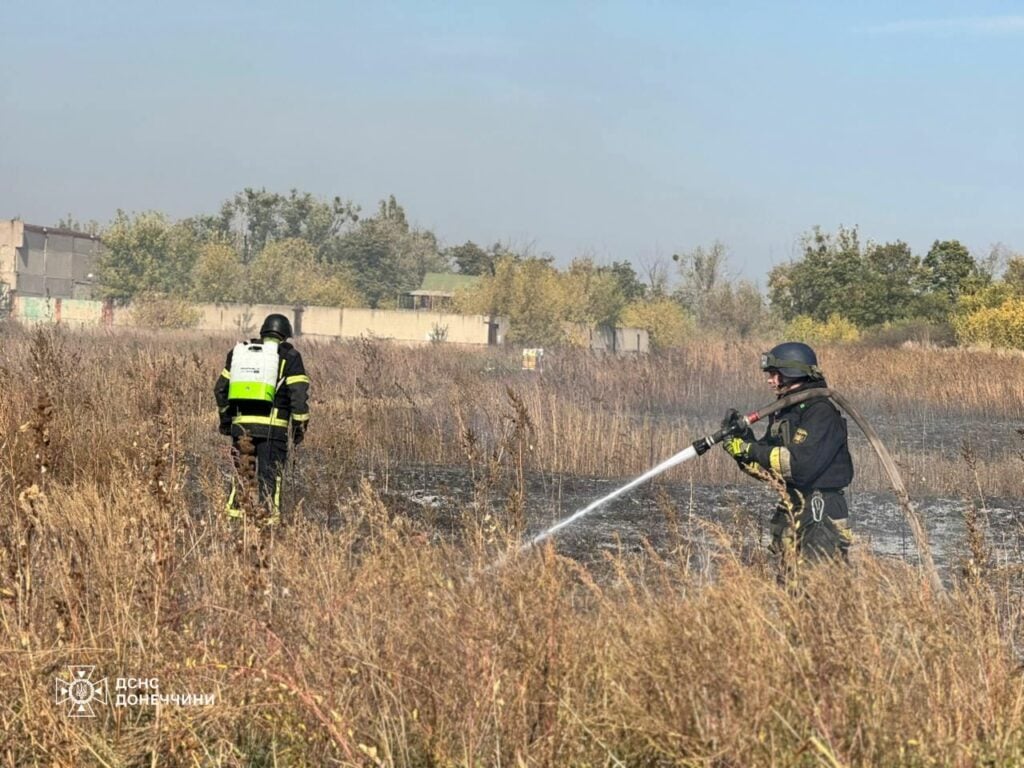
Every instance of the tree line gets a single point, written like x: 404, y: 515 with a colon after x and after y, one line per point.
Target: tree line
x: 295, y: 248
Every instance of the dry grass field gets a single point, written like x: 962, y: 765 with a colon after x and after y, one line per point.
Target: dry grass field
x: 377, y: 641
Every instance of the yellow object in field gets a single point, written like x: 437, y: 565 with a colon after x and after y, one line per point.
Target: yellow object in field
x: 532, y: 359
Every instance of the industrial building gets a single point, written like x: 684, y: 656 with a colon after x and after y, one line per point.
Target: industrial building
x: 46, y: 262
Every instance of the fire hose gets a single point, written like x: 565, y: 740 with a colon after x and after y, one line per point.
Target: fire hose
x: 701, y: 446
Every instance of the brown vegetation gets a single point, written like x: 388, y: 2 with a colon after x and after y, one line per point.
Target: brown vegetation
x: 377, y: 641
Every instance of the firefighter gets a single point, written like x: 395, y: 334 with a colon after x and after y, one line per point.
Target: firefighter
x: 806, y: 446
x: 265, y: 410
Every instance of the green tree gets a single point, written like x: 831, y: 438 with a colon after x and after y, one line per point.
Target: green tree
x: 592, y: 294
x: 949, y: 268
x: 315, y: 221
x: 826, y: 281
x: 385, y: 256
x: 878, y: 284
x: 219, y: 274
x: 368, y: 252
x: 471, y: 259
x: 286, y: 272
x: 258, y: 217
x: 891, y: 286
x: 146, y: 253
x: 629, y: 283
x: 91, y: 227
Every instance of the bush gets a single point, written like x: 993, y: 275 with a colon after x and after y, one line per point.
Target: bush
x: 916, y: 331
x: 666, y: 322
x: 158, y: 310
x: 999, y: 326
x: 809, y: 330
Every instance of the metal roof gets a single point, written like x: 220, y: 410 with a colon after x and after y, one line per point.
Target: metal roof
x: 443, y: 284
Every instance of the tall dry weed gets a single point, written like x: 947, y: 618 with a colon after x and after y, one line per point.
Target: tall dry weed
x: 365, y: 637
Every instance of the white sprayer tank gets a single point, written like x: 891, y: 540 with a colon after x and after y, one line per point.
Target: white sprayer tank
x: 253, y: 371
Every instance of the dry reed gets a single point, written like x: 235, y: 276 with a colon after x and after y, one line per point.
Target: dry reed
x: 375, y: 641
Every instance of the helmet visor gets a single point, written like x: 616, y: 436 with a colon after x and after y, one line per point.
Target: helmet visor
x: 789, y: 368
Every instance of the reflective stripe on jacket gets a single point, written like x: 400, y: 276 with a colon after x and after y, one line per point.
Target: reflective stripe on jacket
x: 290, y: 405
x: 807, y: 445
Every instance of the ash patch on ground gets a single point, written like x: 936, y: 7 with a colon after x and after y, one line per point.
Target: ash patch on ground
x: 661, y: 515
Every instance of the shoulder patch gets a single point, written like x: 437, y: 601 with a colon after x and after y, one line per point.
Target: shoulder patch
x: 800, y: 436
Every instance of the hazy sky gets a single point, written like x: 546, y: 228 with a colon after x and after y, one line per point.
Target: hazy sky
x: 619, y: 130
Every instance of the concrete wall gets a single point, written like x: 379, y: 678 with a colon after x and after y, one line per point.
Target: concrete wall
x: 243, y: 320
x: 332, y: 322
x: 635, y: 340
x: 406, y: 326
x: 322, y: 321
x: 605, y: 339
x: 73, y: 312
x: 412, y: 325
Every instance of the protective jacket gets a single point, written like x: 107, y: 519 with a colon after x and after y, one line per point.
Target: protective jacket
x: 290, y: 407
x: 806, y: 444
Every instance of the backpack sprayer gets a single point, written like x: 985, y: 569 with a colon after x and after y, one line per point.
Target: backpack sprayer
x: 254, y: 371
x: 701, y: 446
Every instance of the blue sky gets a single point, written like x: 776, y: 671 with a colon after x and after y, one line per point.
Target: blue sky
x: 617, y: 130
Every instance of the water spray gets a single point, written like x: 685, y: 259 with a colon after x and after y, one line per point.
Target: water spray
x: 741, y: 423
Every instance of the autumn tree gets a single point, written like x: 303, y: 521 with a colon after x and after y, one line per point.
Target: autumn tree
x: 591, y: 294
x: 529, y: 291
x: 287, y: 272
x: 219, y: 274
x: 1014, y: 274
x: 714, y: 297
x: 666, y: 322
x: 145, y: 252
x: 702, y: 272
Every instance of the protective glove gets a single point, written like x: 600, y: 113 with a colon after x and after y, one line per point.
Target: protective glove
x: 738, y: 448
x: 225, y: 428
x: 733, y: 421
x: 298, y: 433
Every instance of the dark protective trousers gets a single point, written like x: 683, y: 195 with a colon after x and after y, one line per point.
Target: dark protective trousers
x: 816, y: 530
x: 271, y: 454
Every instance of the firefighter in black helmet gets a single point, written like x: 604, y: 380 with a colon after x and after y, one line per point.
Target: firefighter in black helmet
x: 805, y: 445
x: 267, y: 423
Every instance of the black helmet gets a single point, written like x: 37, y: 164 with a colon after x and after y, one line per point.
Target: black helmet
x: 276, y: 325
x: 793, y: 360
